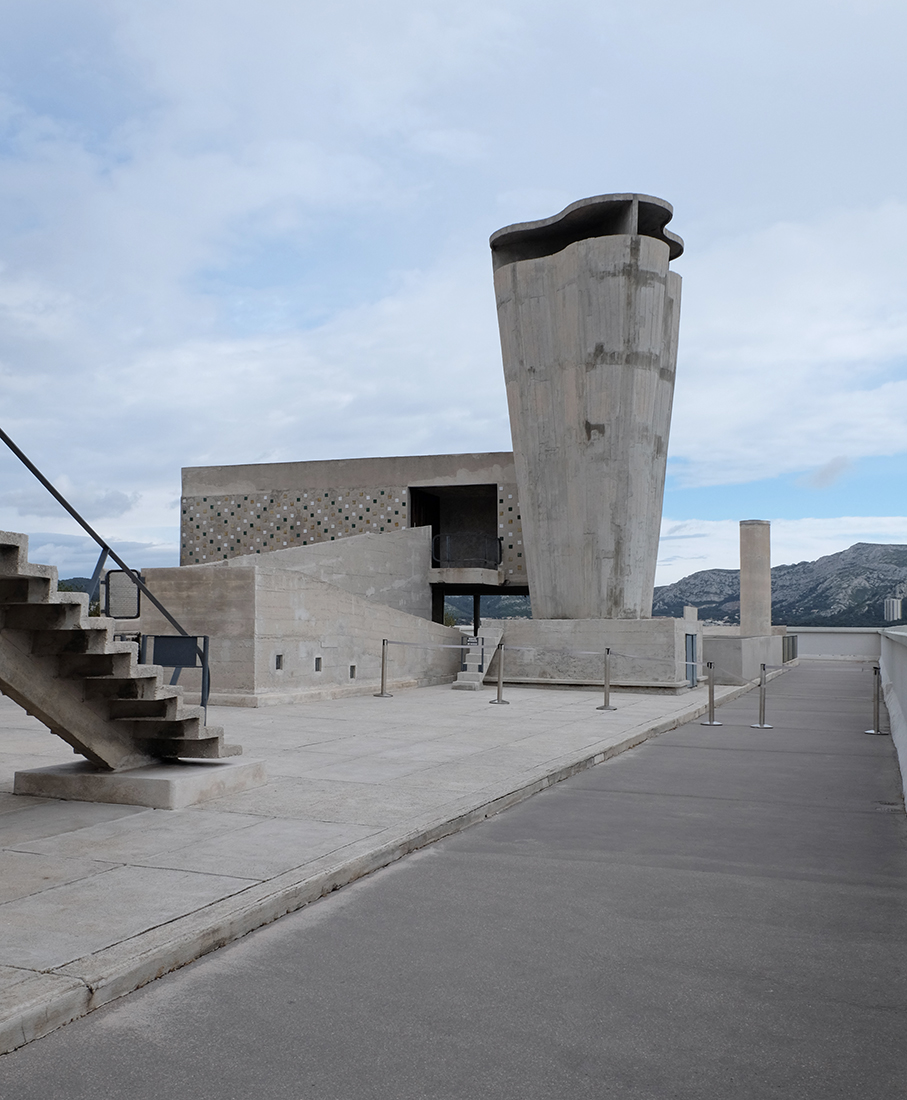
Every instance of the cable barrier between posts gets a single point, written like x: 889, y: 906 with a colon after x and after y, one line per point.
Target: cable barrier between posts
x: 606, y: 654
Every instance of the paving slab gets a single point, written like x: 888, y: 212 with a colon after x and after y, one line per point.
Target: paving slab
x: 109, y: 897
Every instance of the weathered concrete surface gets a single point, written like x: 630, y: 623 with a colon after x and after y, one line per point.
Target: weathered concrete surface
x: 645, y: 652
x: 391, y: 568
x: 329, y: 640
x: 755, y: 578
x: 589, y: 316
x: 739, y: 659
x: 159, y: 786
x: 721, y: 913
x: 111, y: 897
x: 258, y: 509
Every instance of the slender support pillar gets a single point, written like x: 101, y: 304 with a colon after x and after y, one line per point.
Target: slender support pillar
x: 500, y: 697
x: 710, y: 666
x: 876, y: 699
x: 384, y: 693
x: 607, y: 682
x: 761, y: 724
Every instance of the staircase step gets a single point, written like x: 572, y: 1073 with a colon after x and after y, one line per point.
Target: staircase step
x: 164, y: 708
x: 43, y: 616
x: 65, y: 667
x: 143, y: 685
x: 24, y: 590
x: 209, y: 748
x: 185, y: 728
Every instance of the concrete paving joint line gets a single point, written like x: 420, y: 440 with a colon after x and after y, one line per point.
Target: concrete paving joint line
x: 44, y: 1001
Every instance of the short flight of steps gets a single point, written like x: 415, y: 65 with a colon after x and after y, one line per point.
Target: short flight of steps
x: 65, y: 668
x: 477, y: 669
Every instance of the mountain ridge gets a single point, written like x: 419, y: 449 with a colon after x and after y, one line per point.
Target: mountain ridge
x: 844, y: 589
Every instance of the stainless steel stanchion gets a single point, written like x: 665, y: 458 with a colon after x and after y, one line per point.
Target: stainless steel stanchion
x: 607, y: 703
x: 384, y: 693
x: 711, y: 722
x: 500, y: 698
x: 876, y: 699
x: 761, y: 724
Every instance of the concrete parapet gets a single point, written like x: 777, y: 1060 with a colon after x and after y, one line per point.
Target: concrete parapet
x: 738, y: 660
x: 646, y: 653
x: 328, y: 639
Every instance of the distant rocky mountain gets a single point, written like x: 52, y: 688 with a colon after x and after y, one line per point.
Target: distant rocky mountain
x: 845, y: 589
x: 493, y: 607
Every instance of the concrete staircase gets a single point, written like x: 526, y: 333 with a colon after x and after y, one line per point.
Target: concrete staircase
x: 66, y: 669
x: 472, y: 679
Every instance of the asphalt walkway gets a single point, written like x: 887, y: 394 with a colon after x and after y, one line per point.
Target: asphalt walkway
x: 719, y: 912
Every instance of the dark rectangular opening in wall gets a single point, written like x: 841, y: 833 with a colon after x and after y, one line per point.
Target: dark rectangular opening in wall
x: 278, y: 661
x: 464, y: 524
x: 352, y: 672
x: 318, y: 664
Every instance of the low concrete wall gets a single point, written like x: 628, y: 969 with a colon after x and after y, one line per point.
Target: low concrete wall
x: 647, y: 653
x: 738, y: 660
x: 260, y: 611
x: 391, y: 568
x: 893, y: 664
x: 845, y: 643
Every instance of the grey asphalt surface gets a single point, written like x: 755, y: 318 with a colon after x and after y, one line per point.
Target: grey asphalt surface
x: 721, y: 912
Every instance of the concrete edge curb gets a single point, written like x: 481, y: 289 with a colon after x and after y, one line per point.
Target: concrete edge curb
x: 48, y: 1000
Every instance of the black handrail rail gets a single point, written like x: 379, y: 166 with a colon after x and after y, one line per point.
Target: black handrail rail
x: 105, y: 547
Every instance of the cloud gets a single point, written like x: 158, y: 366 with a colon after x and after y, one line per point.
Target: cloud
x: 91, y: 504
x: 800, y: 358
x: 240, y: 232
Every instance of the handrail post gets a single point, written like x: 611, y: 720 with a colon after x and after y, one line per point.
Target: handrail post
x: 876, y: 702
x: 500, y: 698
x: 607, y: 682
x: 383, y: 693
x: 58, y: 496
x: 761, y: 724
x: 711, y: 722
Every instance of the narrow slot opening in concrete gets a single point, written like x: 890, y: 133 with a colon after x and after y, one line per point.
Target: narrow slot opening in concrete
x: 352, y: 672
x: 278, y: 661
x: 318, y: 664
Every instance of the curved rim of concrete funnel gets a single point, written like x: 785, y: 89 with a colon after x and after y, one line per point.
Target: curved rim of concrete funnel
x: 598, y: 216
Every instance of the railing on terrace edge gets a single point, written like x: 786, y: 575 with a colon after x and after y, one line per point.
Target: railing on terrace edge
x: 107, y: 551
x: 466, y: 551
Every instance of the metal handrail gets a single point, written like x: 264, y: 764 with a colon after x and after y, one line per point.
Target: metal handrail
x: 106, y: 549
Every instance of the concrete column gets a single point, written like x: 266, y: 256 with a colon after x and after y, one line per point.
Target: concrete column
x: 589, y: 316
x: 755, y: 577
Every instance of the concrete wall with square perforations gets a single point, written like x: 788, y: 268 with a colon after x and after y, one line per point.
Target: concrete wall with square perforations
x: 228, y: 511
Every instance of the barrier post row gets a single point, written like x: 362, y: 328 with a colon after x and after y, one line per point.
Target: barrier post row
x: 711, y: 722
x: 384, y: 693
x: 876, y: 693
x: 500, y: 699
x: 761, y: 724
x: 607, y: 681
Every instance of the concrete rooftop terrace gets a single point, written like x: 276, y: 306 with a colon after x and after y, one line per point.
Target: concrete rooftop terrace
x: 98, y: 899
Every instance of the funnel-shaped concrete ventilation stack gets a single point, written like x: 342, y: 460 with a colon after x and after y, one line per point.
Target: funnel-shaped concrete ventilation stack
x: 589, y: 315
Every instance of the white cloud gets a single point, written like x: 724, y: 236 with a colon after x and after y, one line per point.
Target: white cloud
x: 236, y: 232
x: 793, y: 348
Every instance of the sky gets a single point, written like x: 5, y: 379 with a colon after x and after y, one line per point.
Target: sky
x: 251, y: 232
